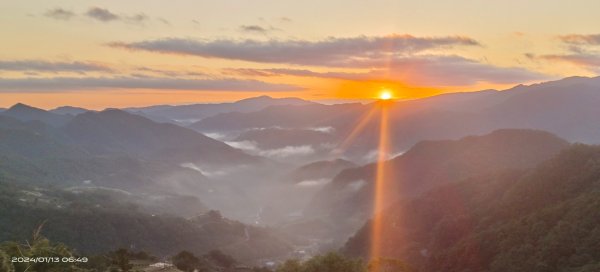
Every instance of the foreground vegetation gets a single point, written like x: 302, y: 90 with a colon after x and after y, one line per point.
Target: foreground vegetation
x: 19, y: 257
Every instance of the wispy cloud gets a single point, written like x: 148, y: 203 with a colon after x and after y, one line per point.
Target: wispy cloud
x: 49, y: 66
x: 60, y: 14
x: 254, y: 29
x: 288, y: 151
x: 169, y: 73
x: 105, y: 15
x: 581, y: 50
x: 332, y: 52
x: 257, y: 29
x: 587, y: 61
x: 102, y: 14
x: 591, y: 39
x: 156, y: 83
x: 422, y: 70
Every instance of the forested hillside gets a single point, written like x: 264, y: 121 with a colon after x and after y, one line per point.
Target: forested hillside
x: 545, y: 219
x: 93, y: 224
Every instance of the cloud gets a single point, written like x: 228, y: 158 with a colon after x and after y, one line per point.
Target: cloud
x: 48, y: 66
x: 157, y: 83
x: 428, y: 70
x: 587, y: 61
x: 137, y: 18
x: 164, y: 21
x: 332, y: 52
x: 59, y: 14
x: 254, y: 29
x: 168, y: 73
x: 102, y: 14
x: 251, y: 72
x: 313, y: 183
x: 105, y: 15
x: 582, y: 51
x: 327, y: 129
x: 288, y: 151
x: 278, y: 153
x: 457, y: 71
x: 243, y: 145
x: 373, y: 155
x: 216, y: 135
x: 355, y: 185
x: 206, y: 172
x: 578, y: 39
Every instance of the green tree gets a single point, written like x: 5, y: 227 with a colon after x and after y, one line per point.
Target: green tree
x: 220, y: 259
x: 5, y: 263
x: 290, y: 266
x: 387, y: 265
x: 38, y: 247
x: 331, y: 262
x: 120, y: 259
x: 187, y: 262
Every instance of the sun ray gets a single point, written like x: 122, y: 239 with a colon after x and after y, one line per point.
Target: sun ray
x: 381, y: 185
x: 363, y: 121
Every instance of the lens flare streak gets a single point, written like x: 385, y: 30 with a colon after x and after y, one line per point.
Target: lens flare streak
x: 364, y: 120
x: 380, y: 186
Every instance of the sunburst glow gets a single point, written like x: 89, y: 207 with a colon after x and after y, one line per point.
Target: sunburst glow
x: 385, y: 95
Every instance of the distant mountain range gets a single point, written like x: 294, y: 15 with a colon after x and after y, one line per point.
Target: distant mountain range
x: 308, y: 169
x: 186, y: 114
x: 271, y: 123
x: 115, y: 131
x: 66, y: 110
x: 567, y: 108
x: 287, y: 116
x: 114, y: 149
x: 27, y: 113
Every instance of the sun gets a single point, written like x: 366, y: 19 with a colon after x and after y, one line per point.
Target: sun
x: 385, y: 95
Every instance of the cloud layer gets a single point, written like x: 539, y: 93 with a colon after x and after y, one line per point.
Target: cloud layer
x: 332, y: 52
x: 93, y: 83
x: 421, y: 70
x: 49, y: 66
x: 403, y: 58
x: 101, y: 15
x: 593, y: 39
x: 581, y: 50
x: 60, y: 14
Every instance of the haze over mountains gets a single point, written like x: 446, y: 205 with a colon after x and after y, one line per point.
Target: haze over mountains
x: 186, y: 114
x: 547, y: 106
x: 429, y: 164
x: 298, y: 175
